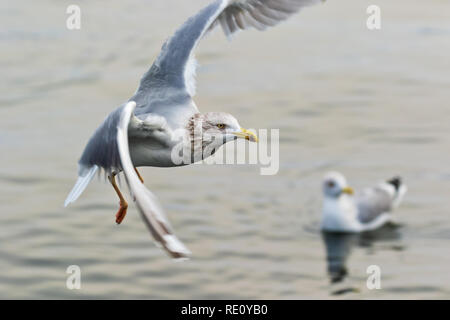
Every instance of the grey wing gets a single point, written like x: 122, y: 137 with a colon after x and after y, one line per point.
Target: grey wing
x: 170, y: 74
x: 372, y: 203
x: 101, y: 149
x: 174, y: 69
x: 148, y: 205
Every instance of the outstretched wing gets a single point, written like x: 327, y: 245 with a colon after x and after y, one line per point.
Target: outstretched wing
x: 147, y: 203
x: 175, y: 66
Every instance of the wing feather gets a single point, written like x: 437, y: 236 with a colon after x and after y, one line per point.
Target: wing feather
x: 240, y: 20
x: 264, y: 20
x: 253, y: 22
x: 372, y: 203
x: 148, y: 205
x: 274, y: 14
x: 171, y: 67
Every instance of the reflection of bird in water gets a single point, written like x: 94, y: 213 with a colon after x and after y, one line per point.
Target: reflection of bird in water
x: 161, y: 116
x: 368, y: 210
x: 339, y: 246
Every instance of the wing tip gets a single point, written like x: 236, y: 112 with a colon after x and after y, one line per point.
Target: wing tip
x: 81, y: 184
x: 396, y: 182
x: 176, y: 248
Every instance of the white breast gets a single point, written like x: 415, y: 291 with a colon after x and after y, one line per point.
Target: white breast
x: 340, y: 214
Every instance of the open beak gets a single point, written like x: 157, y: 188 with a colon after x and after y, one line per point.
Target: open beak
x: 247, y: 135
x: 347, y: 190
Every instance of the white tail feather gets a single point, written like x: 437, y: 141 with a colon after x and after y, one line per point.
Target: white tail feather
x: 399, y: 195
x: 80, y: 185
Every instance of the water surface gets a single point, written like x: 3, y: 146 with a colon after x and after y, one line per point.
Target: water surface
x: 371, y: 104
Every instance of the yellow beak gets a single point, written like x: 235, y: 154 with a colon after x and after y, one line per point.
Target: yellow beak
x: 347, y: 190
x: 247, y: 135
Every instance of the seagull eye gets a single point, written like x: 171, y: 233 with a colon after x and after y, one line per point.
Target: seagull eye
x: 220, y: 126
x: 330, y: 184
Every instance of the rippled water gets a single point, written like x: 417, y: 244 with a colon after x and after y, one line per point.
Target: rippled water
x: 370, y: 104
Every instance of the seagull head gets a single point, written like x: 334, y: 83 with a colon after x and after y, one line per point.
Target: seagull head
x: 335, y: 184
x: 225, y: 127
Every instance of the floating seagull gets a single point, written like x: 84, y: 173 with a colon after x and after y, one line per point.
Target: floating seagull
x: 161, y: 115
x: 368, y: 210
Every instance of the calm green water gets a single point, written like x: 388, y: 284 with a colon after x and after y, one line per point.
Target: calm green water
x: 370, y: 104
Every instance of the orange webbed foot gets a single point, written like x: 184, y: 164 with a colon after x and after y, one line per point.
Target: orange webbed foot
x: 120, y: 215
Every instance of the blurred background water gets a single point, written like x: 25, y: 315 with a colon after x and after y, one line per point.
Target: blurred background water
x: 370, y: 104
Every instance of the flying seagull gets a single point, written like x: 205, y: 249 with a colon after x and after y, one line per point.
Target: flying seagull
x: 367, y: 210
x: 162, y: 116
